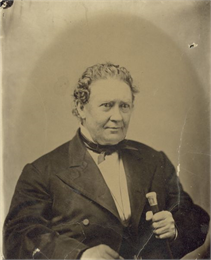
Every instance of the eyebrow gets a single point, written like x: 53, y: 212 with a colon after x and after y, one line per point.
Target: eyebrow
x: 109, y: 101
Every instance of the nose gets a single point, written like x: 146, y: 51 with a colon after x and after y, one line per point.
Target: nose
x: 116, y: 114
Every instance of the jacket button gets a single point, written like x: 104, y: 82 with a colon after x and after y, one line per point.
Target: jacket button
x: 85, y: 222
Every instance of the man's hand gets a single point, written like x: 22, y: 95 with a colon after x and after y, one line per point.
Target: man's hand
x: 163, y: 224
x: 100, y: 252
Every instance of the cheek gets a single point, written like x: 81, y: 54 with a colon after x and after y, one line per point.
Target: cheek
x: 126, y: 118
x: 96, y: 120
x: 100, y: 118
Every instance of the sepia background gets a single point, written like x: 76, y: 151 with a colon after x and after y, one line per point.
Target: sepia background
x: 164, y: 44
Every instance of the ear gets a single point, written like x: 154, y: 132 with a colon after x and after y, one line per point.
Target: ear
x: 80, y: 108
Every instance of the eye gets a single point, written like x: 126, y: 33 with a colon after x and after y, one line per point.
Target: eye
x: 125, y: 107
x: 106, y: 105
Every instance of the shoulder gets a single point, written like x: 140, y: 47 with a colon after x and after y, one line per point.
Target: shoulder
x: 143, y: 148
x: 53, y: 160
x: 148, y: 154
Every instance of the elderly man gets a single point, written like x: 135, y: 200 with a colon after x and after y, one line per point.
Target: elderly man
x: 87, y: 198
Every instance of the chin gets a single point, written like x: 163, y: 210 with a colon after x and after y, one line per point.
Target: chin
x: 113, y: 141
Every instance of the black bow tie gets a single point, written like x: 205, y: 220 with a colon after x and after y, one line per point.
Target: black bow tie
x: 104, y: 150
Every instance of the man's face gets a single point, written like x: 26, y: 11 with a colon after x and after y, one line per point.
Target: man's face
x: 107, y: 114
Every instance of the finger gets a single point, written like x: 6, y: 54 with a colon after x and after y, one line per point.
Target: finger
x: 108, y: 256
x: 159, y: 224
x: 112, y: 256
x: 163, y: 223
x: 165, y: 232
x: 149, y: 215
x: 166, y: 235
x: 111, y: 252
x: 162, y: 230
x: 161, y: 216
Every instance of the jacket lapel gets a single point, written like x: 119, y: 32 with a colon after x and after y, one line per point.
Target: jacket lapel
x: 84, y: 177
x: 139, y: 174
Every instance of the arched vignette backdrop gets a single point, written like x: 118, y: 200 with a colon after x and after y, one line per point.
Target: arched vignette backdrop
x: 46, y: 47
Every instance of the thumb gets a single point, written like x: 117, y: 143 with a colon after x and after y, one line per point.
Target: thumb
x: 149, y: 215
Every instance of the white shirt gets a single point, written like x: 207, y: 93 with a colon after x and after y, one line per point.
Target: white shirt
x: 113, y: 172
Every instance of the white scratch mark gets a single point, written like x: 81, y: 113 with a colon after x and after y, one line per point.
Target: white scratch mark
x: 180, y: 147
x: 155, y: 92
x: 86, y: 12
x: 206, y: 154
x: 144, y: 245
x: 178, y: 169
x: 181, y: 137
x: 180, y: 141
x: 37, y: 250
x: 45, y: 114
x: 189, y: 171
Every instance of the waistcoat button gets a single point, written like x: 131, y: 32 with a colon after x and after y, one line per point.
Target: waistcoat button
x: 85, y: 222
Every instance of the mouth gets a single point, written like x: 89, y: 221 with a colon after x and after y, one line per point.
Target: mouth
x: 114, y: 128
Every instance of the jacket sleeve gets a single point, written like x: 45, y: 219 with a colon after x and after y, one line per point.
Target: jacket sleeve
x: 192, y: 222
x: 27, y: 232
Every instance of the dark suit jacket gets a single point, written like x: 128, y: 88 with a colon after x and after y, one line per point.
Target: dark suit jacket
x: 62, y: 206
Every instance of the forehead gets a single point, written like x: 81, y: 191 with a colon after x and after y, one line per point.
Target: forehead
x: 110, y: 89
